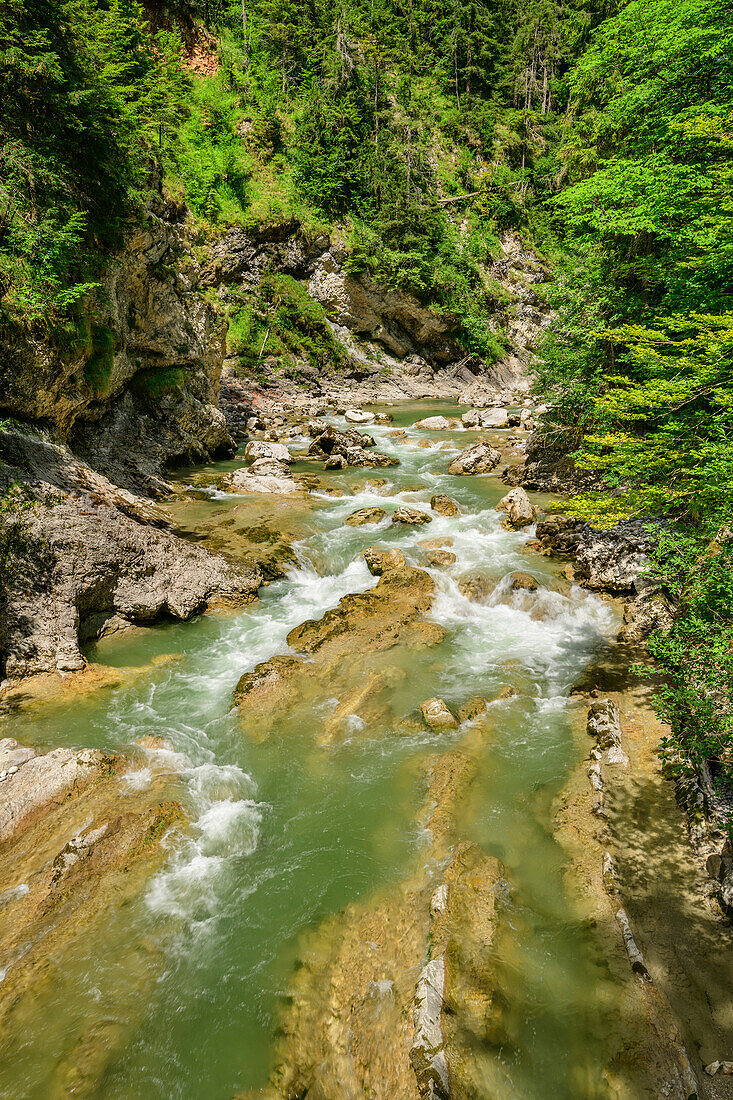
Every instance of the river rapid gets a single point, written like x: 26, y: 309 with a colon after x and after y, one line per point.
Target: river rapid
x: 185, y: 986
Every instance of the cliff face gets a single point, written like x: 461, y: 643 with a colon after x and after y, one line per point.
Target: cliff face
x: 138, y: 386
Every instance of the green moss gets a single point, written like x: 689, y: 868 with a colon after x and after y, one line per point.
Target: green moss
x: 98, y: 367
x: 156, y: 381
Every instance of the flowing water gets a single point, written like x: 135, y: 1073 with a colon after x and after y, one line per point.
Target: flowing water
x: 189, y: 980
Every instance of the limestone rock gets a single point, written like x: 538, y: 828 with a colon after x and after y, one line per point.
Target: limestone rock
x: 479, y: 458
x: 265, y: 475
x: 340, y: 651
x: 494, y: 418
x: 444, y: 505
x: 436, y: 424
x: 472, y: 708
x: 379, y: 560
x: 604, y: 723
x: 335, y: 441
x: 410, y: 515
x: 437, y: 716
x: 476, y: 586
x: 520, y: 512
x: 364, y: 516
x: 90, y: 553
x: 358, y: 416
x: 258, y: 448
x: 441, y: 557
x: 525, y: 581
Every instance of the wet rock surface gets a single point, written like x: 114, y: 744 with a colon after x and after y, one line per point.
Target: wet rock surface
x: 78, y: 846
x: 351, y: 645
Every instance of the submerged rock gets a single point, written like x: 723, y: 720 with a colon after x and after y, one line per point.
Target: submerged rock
x: 364, y: 516
x: 437, y: 716
x: 472, y: 708
x: 520, y: 512
x: 523, y: 581
x: 340, y: 651
x: 444, y: 505
x: 479, y: 458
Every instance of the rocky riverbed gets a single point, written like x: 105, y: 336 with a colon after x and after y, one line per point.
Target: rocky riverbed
x: 352, y: 838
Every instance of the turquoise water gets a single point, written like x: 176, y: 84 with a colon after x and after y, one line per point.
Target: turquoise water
x: 189, y: 980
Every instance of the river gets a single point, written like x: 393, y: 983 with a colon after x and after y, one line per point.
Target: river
x: 190, y: 980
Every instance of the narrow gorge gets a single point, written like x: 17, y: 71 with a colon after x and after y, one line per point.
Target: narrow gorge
x: 366, y: 565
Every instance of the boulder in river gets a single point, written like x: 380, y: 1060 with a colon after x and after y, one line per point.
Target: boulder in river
x: 444, y: 505
x: 358, y: 416
x: 526, y: 581
x: 333, y: 440
x: 472, y: 708
x: 410, y: 515
x: 364, y: 516
x: 520, y: 512
x: 358, y: 456
x: 335, y: 462
x: 495, y: 418
x: 476, y: 586
x: 379, y: 560
x: 437, y: 424
x: 441, y: 557
x: 479, y: 458
x: 259, y: 448
x: 436, y: 544
x: 265, y: 475
x: 437, y: 715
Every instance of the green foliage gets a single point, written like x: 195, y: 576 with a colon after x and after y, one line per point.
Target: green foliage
x: 281, y: 319
x: 87, y: 95
x: 697, y: 653
x: 640, y: 363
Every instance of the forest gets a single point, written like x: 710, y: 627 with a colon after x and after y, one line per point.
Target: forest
x: 602, y: 135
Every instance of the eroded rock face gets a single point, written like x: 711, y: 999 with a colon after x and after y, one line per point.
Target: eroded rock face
x: 87, y: 552
x: 479, y: 458
x: 389, y: 317
x: 142, y: 391
x: 613, y: 560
